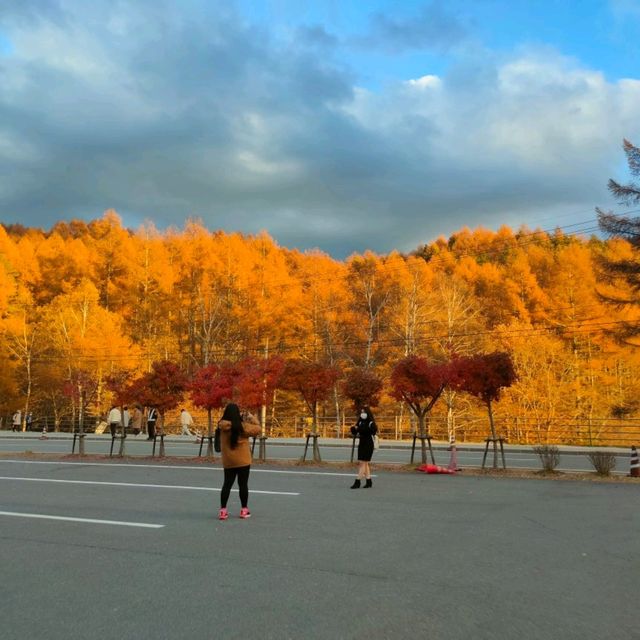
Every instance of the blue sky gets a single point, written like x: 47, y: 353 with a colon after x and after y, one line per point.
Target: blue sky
x: 601, y: 34
x: 343, y: 125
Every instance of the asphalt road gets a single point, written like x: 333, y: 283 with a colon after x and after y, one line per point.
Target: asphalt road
x: 571, y: 459
x: 143, y: 556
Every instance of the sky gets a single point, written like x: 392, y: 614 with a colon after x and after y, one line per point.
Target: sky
x: 341, y: 125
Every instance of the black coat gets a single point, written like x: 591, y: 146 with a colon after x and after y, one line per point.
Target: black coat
x: 365, y: 429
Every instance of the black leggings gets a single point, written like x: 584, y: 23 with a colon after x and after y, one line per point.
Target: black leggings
x: 243, y: 485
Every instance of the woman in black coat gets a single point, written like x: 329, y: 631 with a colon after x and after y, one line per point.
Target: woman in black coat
x: 365, y: 429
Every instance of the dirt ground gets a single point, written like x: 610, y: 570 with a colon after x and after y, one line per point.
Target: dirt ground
x: 587, y: 476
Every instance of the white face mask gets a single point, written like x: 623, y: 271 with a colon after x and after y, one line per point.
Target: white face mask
x: 363, y: 415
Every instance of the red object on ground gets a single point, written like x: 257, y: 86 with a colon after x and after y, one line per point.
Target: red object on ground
x: 434, y: 468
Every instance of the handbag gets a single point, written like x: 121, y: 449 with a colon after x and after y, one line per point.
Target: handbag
x: 376, y: 442
x: 216, y: 440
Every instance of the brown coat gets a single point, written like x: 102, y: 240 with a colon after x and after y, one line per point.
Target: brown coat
x: 241, y: 455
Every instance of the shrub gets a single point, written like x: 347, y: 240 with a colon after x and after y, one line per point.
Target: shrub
x: 603, y: 462
x: 549, y: 456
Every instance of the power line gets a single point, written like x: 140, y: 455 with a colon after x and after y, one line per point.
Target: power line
x: 567, y: 330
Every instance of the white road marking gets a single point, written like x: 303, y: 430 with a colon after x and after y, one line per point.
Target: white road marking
x: 175, y: 466
x: 119, y: 523
x: 146, y: 486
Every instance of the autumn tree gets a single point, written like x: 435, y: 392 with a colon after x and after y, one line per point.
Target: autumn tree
x: 372, y: 292
x: 414, y: 309
x: 85, y: 338
x: 118, y: 383
x: 148, y: 309
x: 258, y: 378
x: 211, y: 388
x: 273, y: 313
x: 363, y: 387
x: 456, y: 328
x: 484, y: 376
x: 21, y: 333
x: 323, y: 330
x: 62, y: 265
x: 200, y: 318
x: 81, y: 387
x: 256, y: 387
x: 420, y: 383
x: 314, y: 382
x: 112, y: 258
x: 163, y: 387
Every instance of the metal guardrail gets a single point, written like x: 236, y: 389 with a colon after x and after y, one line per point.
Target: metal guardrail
x: 602, y: 432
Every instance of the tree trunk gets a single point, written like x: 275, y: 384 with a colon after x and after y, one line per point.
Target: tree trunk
x: 81, y: 423
x: 29, y: 387
x: 160, y: 431
x: 210, y: 433
x: 314, y: 419
x: 493, y: 436
x: 336, y: 400
x: 423, y: 432
x: 263, y: 420
x: 314, y: 427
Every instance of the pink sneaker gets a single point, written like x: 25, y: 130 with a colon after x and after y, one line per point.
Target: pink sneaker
x: 245, y: 513
x: 223, y: 515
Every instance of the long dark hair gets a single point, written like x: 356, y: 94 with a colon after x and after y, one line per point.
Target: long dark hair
x: 232, y: 415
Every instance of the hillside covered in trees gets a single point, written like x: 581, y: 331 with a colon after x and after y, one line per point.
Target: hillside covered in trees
x: 91, y: 299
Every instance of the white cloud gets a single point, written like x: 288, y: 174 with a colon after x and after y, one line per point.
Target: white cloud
x: 168, y: 116
x: 426, y: 82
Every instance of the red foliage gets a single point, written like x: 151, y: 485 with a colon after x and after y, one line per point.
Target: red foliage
x: 419, y: 382
x: 312, y: 380
x: 162, y: 387
x: 257, y: 380
x: 362, y: 387
x: 213, y: 386
x: 485, y: 375
x: 118, y: 384
x: 81, y: 382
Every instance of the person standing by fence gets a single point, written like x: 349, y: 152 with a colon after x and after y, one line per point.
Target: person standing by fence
x: 114, y: 420
x: 152, y: 418
x: 136, y: 420
x: 365, y: 429
x: 186, y: 421
x: 16, y: 424
x: 235, y: 431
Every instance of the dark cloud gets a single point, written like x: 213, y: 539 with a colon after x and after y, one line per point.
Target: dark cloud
x: 432, y: 29
x: 316, y: 36
x: 166, y: 111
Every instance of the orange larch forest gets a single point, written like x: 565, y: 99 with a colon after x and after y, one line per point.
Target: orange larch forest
x: 83, y: 302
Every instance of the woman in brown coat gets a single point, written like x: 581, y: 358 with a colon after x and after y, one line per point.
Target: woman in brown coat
x: 236, y: 456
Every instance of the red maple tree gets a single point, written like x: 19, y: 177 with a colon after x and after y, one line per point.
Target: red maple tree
x: 314, y: 381
x: 118, y: 383
x: 163, y: 387
x: 484, y: 376
x: 258, y: 379
x: 211, y: 388
x: 420, y: 383
x: 362, y: 386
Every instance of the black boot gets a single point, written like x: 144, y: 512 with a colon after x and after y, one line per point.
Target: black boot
x: 368, y: 483
x: 356, y: 484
